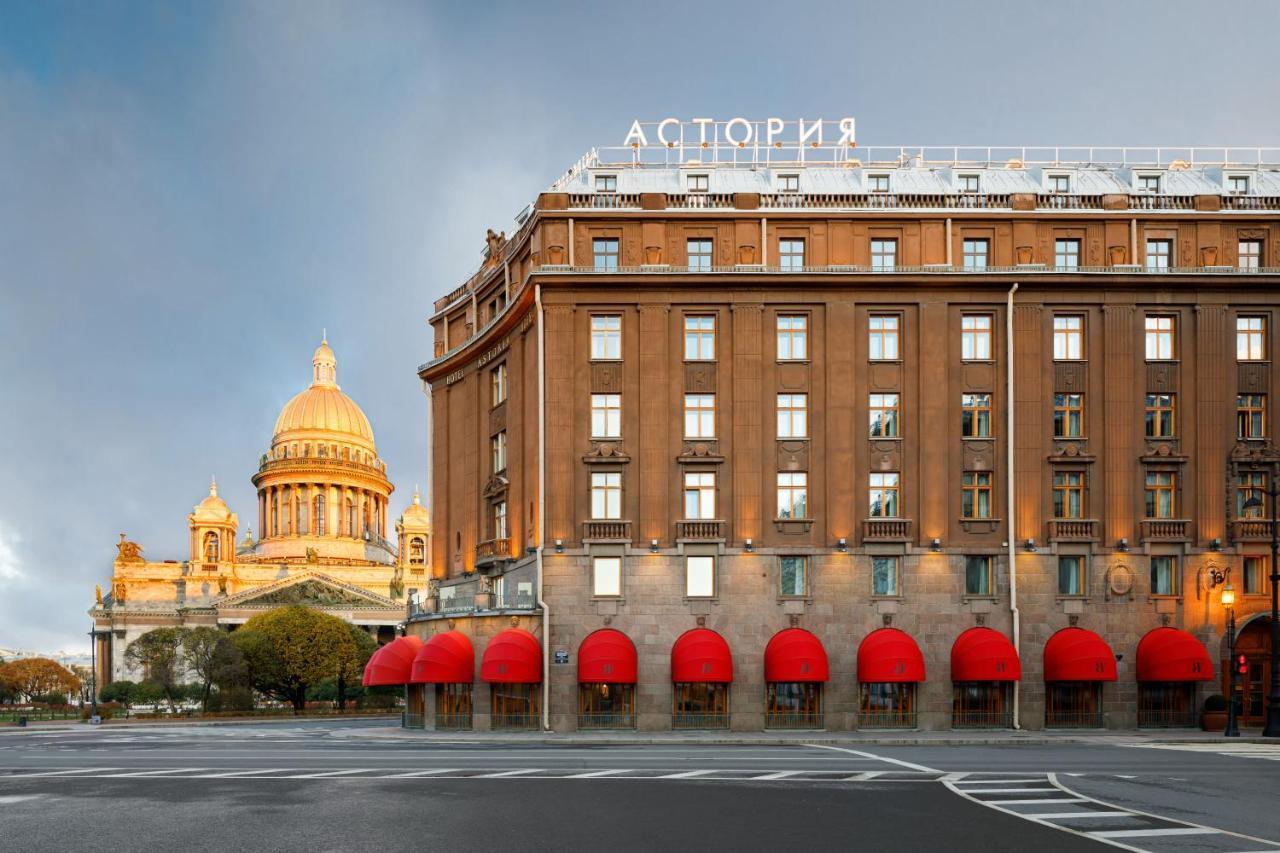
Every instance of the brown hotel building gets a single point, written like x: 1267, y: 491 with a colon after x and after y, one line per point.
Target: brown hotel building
x: 907, y: 443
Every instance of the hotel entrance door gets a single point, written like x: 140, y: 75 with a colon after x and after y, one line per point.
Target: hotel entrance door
x: 1252, y: 685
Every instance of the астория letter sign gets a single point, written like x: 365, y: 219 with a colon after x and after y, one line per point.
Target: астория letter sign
x: 739, y: 132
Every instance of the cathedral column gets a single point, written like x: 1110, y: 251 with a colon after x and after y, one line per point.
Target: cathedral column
x: 262, y: 514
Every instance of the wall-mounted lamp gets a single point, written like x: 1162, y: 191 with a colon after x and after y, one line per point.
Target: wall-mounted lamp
x: 1030, y: 545
x: 653, y: 546
x: 842, y: 545
x: 1215, y: 545
x: 559, y: 546
x: 1122, y: 545
x: 935, y: 545
x: 748, y: 545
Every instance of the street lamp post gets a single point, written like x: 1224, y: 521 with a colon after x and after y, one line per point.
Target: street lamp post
x: 1229, y: 602
x: 93, y: 669
x: 1272, y: 728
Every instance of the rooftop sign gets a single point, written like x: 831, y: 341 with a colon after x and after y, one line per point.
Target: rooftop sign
x: 741, y: 133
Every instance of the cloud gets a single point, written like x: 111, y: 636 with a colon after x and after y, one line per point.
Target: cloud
x: 10, y: 567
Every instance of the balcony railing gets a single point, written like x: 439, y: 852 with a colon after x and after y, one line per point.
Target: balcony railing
x: 607, y: 530
x: 700, y: 529
x: 886, y: 530
x: 492, y: 550
x: 793, y: 720
x: 606, y: 721
x: 1251, y: 530
x: 1165, y: 529
x: 1073, y: 530
x: 699, y: 721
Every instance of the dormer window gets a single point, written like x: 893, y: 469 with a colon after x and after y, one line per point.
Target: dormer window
x: 1238, y: 184
x: 1149, y: 183
x: 878, y: 183
x: 1059, y: 183
x: 699, y: 183
x: 789, y: 183
x: 606, y: 183
x: 967, y: 183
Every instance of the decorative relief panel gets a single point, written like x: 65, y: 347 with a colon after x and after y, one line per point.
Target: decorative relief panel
x: 1162, y: 378
x: 979, y: 455
x: 1069, y: 376
x: 793, y: 377
x: 979, y: 377
x: 793, y: 455
x: 606, y: 378
x: 886, y: 377
x: 498, y: 419
x: 1253, y: 378
x: 885, y: 456
x: 700, y: 378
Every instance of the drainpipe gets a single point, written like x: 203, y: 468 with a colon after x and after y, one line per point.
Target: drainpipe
x: 1012, y: 528
x: 542, y: 508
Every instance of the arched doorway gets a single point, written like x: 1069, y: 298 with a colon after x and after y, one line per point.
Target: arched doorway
x: 1252, y: 685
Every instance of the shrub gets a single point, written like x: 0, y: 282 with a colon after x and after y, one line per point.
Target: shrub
x: 235, y: 699
x: 1216, y: 702
x: 118, y: 691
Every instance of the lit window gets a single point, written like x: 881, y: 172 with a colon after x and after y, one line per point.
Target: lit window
x: 883, y: 411
x: 1251, y: 419
x: 498, y: 454
x: 1251, y: 338
x: 699, y: 183
x: 793, y: 494
x: 1251, y: 485
x: 699, y: 577
x: 699, y: 415
x: 1238, y: 184
x: 968, y: 183
x: 793, y: 575
x: 789, y: 183
x: 793, y: 337
x: 1149, y: 183
x: 604, y: 253
x: 606, y: 576
x: 498, y: 383
x: 975, y: 496
x: 883, y: 495
x: 1161, y: 497
x: 1165, y: 576
x: 1071, y: 575
x: 1255, y: 574
x: 606, y: 415
x: 884, y: 575
x: 1059, y: 183
x: 699, y: 337
x: 699, y: 252
x: 1068, y: 415
x: 884, y: 254
x: 791, y: 254
x: 975, y: 254
x: 1066, y: 254
x: 883, y: 337
x: 606, y: 337
x: 699, y: 495
x: 606, y: 183
x: 500, y: 520
x: 975, y: 337
x: 1159, y: 253
x: 1068, y: 494
x: 1161, y: 331
x: 977, y: 576
x: 1068, y: 337
x: 793, y: 416
x: 878, y: 183
x: 606, y: 495
x: 1160, y: 415
x: 975, y: 415
x: 1249, y: 254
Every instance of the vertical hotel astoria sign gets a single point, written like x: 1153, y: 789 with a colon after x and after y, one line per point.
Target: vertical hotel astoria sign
x: 741, y: 133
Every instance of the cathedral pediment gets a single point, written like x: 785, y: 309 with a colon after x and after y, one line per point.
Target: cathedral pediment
x: 309, y: 590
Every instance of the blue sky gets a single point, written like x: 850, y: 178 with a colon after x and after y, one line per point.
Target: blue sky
x: 190, y: 192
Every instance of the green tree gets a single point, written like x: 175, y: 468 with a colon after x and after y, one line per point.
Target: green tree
x: 158, y: 654
x: 287, y: 649
x: 119, y: 691
x: 204, y: 651
x: 351, y: 670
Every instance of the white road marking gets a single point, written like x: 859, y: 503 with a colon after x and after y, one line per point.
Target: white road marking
x: 863, y: 777
x: 1009, y: 790
x: 1145, y: 833
x: 240, y: 773
x: 332, y: 773
x: 18, y: 798
x: 596, y: 774
x: 1073, y: 815
x: 771, y: 776
x: 67, y: 772
x: 988, y: 781
x: 504, y: 774
x: 687, y: 774
x: 418, y: 773
x: 1044, y: 801
x: 897, y: 761
x: 146, y: 773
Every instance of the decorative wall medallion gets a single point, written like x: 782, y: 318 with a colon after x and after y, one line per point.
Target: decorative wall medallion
x: 1120, y: 579
x: 886, y: 463
x: 702, y: 621
x: 606, y: 378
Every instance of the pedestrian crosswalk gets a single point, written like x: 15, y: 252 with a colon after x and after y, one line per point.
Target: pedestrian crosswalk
x: 1235, y: 749
x: 1041, y: 798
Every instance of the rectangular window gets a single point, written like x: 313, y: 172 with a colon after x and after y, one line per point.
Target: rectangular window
x: 1059, y: 183
x: 700, y: 254
x: 1068, y: 494
x: 1149, y: 183
x: 1066, y: 254
x: 500, y: 520
x: 1071, y: 576
x: 698, y: 183
x: 606, y: 337
x: 606, y: 183
x: 498, y: 384
x: 878, y: 183
x: 1160, y: 416
x: 883, y: 336
x: 606, y: 495
x: 793, y: 337
x: 791, y: 254
x: 1068, y: 337
x: 699, y: 495
x: 1255, y: 574
x: 604, y: 253
x: 883, y: 412
x: 975, y: 415
x: 975, y: 254
x: 1251, y: 338
x: 1068, y: 415
x: 793, y: 573
x: 1238, y: 184
x: 968, y: 183
x: 789, y: 183
x: 498, y: 448
x: 1251, y: 485
x: 699, y: 337
x: 1161, y: 494
x: 793, y: 494
x: 793, y: 416
x: 606, y: 415
x: 975, y: 337
x: 884, y: 575
x: 1159, y: 254
x: 1161, y: 337
x: 884, y: 254
x: 1249, y: 254
x: 883, y: 495
x: 977, y: 576
x: 606, y: 577
x: 1251, y: 420
x: 1165, y: 576
x: 699, y: 415
x: 699, y: 577
x: 975, y: 497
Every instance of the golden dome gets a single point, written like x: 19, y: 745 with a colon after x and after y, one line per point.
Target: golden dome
x: 212, y: 508
x: 323, y: 408
x: 416, y: 512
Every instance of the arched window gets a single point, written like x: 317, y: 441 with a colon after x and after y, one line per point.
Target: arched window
x: 211, y: 547
x: 320, y: 527
x: 417, y: 551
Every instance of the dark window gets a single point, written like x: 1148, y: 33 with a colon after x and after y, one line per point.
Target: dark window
x: 981, y: 705
x: 514, y: 706
x: 1073, y: 705
x: 1068, y: 415
x: 793, y: 705
x: 1167, y: 705
x: 1165, y: 576
x: 1071, y: 576
x: 888, y: 705
x: 700, y: 705
x: 453, y: 706
x: 977, y: 576
x: 606, y: 706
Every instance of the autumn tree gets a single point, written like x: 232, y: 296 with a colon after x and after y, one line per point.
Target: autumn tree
x: 158, y: 654
x: 287, y: 649
x: 35, y: 677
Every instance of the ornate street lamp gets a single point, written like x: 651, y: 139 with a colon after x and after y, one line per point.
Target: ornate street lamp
x: 1229, y: 602
x: 1272, y: 728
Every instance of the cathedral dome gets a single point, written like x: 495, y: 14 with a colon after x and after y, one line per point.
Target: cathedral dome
x: 213, y: 508
x: 322, y: 411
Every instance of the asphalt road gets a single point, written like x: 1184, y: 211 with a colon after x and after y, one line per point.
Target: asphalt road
x: 332, y: 786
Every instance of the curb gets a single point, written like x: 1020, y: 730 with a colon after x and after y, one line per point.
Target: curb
x: 48, y: 725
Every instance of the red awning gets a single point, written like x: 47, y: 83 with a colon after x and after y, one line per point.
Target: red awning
x: 445, y: 658
x: 391, y: 663
x: 607, y: 657
x: 889, y: 655
x: 1167, y: 654
x: 1074, y: 654
x: 984, y: 654
x: 794, y: 655
x: 701, y: 655
x: 513, y: 656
